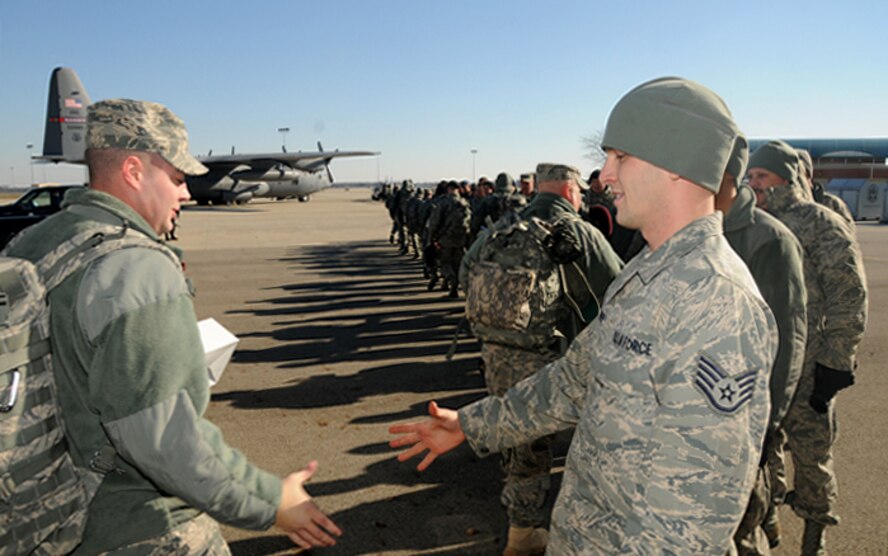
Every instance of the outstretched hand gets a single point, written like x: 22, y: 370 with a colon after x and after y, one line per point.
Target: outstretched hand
x: 438, y: 435
x: 299, y: 517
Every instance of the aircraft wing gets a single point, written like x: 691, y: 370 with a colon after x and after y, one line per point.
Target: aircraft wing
x: 306, y: 160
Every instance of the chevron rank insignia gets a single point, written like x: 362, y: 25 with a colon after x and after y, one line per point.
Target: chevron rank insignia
x: 725, y: 394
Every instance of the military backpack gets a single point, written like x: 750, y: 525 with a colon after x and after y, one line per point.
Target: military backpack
x: 457, y: 217
x: 516, y: 291
x: 44, y: 495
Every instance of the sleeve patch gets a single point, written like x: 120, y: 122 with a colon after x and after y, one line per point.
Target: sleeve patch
x: 725, y: 394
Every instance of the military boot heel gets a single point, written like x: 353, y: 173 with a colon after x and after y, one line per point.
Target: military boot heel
x: 526, y: 541
x: 814, y: 539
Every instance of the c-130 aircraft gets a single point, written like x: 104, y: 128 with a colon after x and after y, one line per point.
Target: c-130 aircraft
x: 234, y: 178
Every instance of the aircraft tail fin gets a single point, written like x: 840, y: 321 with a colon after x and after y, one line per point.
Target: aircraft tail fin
x: 326, y: 163
x: 64, y: 138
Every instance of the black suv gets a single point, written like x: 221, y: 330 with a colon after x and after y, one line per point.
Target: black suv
x: 30, y: 208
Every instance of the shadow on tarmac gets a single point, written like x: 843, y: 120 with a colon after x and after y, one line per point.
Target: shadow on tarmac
x: 371, y: 305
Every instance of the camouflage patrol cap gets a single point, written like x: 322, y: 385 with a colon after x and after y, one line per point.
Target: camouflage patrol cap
x: 560, y: 172
x: 739, y: 157
x: 807, y: 165
x: 138, y: 125
x: 676, y: 124
x: 777, y: 157
x: 504, y: 183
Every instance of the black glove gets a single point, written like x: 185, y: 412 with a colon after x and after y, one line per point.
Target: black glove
x: 828, y: 382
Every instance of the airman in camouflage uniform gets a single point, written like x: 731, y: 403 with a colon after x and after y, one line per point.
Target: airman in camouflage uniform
x: 834, y: 278
x: 527, y: 466
x: 818, y: 193
x: 391, y: 205
x: 449, y: 225
x: 668, y: 388
x: 127, y: 358
x: 774, y: 257
x: 402, y: 199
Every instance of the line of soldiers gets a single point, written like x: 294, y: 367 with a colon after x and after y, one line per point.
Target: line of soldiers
x: 438, y: 226
x: 799, y: 245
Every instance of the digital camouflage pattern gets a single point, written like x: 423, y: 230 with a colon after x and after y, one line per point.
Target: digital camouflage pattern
x: 42, y: 497
x: 668, y: 390
x: 837, y: 307
x: 450, y: 221
x: 515, y: 294
x: 138, y: 125
x: 45, y: 494
x: 526, y: 466
x: 449, y: 224
x: 839, y: 207
x: 750, y: 539
x: 493, y: 207
x: 131, y: 506
x: 200, y: 535
x: 597, y: 265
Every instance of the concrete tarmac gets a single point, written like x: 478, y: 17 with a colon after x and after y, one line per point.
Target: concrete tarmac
x: 339, y: 339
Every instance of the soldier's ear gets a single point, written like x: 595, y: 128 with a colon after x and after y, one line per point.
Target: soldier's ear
x: 133, y: 171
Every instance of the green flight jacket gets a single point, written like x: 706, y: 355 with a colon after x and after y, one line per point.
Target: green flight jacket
x: 131, y: 372
x: 774, y: 258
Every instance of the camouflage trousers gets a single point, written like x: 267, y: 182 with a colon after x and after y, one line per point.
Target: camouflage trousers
x: 199, y: 537
x: 777, y: 466
x: 527, y: 466
x: 750, y: 539
x: 449, y: 259
x: 810, y: 436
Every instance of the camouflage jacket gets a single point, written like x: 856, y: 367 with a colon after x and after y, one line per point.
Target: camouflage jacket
x: 839, y: 207
x: 128, y: 361
x: 599, y: 263
x: 774, y: 257
x: 449, y: 221
x: 495, y: 206
x: 834, y: 278
x: 668, y: 390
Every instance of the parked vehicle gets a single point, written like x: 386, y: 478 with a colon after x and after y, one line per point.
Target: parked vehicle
x: 32, y: 207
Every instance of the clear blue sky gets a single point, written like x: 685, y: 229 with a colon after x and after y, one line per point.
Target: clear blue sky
x: 425, y: 82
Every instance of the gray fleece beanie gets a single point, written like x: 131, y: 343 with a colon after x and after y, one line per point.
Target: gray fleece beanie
x: 739, y: 157
x: 676, y: 124
x: 777, y: 157
x: 504, y: 183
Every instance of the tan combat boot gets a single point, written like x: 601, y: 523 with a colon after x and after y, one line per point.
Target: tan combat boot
x: 814, y: 539
x: 526, y: 541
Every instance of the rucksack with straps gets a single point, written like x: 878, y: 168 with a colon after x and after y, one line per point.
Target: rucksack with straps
x: 516, y: 292
x: 454, y: 230
x: 44, y: 495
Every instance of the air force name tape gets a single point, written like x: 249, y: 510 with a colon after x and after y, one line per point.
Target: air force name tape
x: 726, y: 394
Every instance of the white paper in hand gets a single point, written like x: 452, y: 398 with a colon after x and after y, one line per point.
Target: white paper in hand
x: 218, y: 344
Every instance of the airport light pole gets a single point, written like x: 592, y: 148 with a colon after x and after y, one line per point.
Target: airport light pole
x: 474, y: 152
x: 12, y: 175
x: 283, y: 131
x: 30, y: 146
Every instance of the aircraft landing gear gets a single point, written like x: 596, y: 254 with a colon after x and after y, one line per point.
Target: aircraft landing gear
x: 304, y: 198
